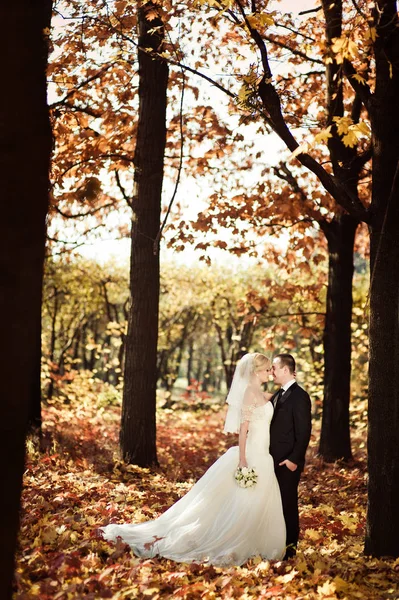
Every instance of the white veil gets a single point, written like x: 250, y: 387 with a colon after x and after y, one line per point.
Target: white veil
x: 235, y: 397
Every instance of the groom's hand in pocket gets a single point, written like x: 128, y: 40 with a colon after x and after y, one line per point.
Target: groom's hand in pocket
x: 289, y: 464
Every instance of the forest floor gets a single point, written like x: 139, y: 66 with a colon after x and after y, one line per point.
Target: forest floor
x: 78, y: 483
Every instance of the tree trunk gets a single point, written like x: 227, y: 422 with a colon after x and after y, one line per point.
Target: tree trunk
x: 93, y: 352
x: 138, y: 431
x: 24, y: 165
x: 335, y: 435
x: 190, y: 362
x: 35, y: 407
x: 207, y: 375
x: 53, y: 338
x: 382, y: 533
x: 382, y: 536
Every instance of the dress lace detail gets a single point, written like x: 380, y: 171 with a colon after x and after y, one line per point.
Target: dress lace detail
x: 217, y: 522
x: 250, y: 413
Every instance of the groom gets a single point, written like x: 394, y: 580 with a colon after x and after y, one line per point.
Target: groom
x: 289, y: 437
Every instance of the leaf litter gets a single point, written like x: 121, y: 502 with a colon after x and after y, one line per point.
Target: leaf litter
x: 78, y: 483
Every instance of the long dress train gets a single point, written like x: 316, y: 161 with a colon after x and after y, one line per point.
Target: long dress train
x: 217, y: 522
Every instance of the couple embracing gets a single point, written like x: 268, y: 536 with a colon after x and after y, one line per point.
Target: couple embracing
x: 218, y: 521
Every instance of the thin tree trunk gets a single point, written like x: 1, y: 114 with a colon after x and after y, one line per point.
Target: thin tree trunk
x: 207, y: 375
x: 190, y: 362
x: 138, y: 431
x: 335, y: 434
x: 93, y: 352
x: 24, y: 165
x: 53, y: 338
x: 35, y: 408
x: 85, y: 362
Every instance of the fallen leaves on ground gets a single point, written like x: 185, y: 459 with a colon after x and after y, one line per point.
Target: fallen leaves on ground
x: 79, y: 483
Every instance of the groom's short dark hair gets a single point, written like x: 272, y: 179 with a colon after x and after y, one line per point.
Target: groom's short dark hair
x: 287, y: 360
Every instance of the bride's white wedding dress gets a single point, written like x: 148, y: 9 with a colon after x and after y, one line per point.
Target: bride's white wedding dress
x: 217, y: 522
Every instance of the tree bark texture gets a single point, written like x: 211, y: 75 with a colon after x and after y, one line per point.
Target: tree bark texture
x: 25, y: 149
x: 382, y: 536
x: 335, y: 435
x: 138, y: 431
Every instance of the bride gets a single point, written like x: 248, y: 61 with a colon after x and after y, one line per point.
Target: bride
x: 217, y: 522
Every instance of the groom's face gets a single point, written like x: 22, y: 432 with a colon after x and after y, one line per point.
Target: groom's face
x: 279, y: 372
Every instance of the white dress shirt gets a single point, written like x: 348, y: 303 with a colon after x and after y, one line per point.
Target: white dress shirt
x: 288, y: 385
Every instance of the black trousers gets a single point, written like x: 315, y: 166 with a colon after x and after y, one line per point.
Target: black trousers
x: 288, y: 482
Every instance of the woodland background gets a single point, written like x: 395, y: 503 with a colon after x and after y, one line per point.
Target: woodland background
x: 247, y: 152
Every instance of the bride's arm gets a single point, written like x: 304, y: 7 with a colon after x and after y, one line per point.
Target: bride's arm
x: 267, y: 396
x: 242, y: 440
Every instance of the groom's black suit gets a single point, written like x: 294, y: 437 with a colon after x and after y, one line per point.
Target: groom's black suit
x: 289, y: 438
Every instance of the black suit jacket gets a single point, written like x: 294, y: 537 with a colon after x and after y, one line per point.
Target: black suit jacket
x: 291, y: 426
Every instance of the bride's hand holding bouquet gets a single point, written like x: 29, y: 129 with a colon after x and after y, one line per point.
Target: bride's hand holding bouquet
x: 245, y: 477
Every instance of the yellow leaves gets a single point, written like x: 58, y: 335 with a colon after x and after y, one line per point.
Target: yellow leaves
x: 150, y: 591
x: 328, y: 589
x: 313, y: 535
x: 48, y: 535
x: 248, y: 87
x: 302, y: 149
x: 244, y: 93
x: 349, y: 521
x: 343, y: 124
x: 226, y: 4
x: 324, y: 508
x: 262, y: 566
x: 359, y: 79
x: 331, y: 587
x: 371, y: 35
x: 351, y: 132
x: 319, y: 138
x: 260, y: 20
x: 287, y: 577
x: 323, y: 135
x: 350, y: 139
x: 344, y: 48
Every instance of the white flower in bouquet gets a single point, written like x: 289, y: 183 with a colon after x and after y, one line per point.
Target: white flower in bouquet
x: 245, y: 477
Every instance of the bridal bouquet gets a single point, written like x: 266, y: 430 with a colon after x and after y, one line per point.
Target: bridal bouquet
x: 245, y: 477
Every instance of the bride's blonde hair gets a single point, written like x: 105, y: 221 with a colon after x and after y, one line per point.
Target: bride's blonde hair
x: 260, y: 362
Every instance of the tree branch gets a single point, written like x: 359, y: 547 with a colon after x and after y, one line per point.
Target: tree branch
x: 283, y: 172
x: 271, y: 102
x: 122, y: 189
x: 358, y: 10
x: 293, y: 50
x: 194, y: 71
x: 80, y: 85
x: 342, y: 195
x: 92, y: 112
x: 362, y: 89
x: 181, y: 123
x: 85, y: 214
x: 311, y: 10
x: 258, y: 41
